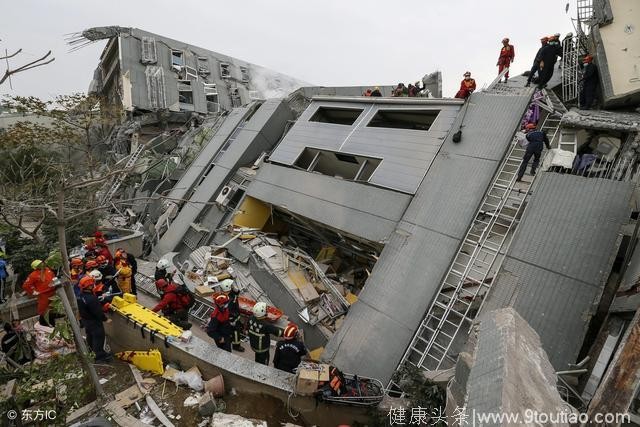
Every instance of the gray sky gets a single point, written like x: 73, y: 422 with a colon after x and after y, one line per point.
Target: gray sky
x: 324, y: 42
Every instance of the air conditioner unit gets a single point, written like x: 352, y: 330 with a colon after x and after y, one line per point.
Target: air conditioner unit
x: 225, y: 195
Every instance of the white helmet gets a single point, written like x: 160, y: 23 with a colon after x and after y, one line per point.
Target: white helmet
x: 163, y: 264
x: 96, y: 275
x: 226, y: 285
x: 260, y: 309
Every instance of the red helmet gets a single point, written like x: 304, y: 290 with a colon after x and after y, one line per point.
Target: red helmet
x: 90, y: 264
x: 98, y: 288
x: 76, y: 262
x: 161, y: 284
x: 86, y: 282
x: 101, y: 259
x: 530, y: 126
x: 290, y: 331
x: 221, y: 300
x: 587, y: 59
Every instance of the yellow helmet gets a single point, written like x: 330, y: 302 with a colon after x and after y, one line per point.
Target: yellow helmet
x: 36, y: 264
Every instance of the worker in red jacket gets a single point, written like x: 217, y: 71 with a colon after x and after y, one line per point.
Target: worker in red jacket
x: 175, y: 303
x: 507, y: 55
x: 38, y: 284
x: 467, y: 86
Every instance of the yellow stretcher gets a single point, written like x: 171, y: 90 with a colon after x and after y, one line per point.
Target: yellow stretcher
x: 128, y: 306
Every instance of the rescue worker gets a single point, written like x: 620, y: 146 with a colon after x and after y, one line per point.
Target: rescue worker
x: 174, y: 303
x: 92, y: 317
x: 467, y: 86
x: 376, y: 91
x: 536, y: 141
x: 535, y: 68
x: 125, y: 272
x: 101, y: 247
x: 162, y: 270
x: 219, y: 327
x: 89, y: 266
x: 229, y: 288
x: 290, y: 351
x: 589, y: 83
x: 548, y: 55
x: 260, y: 333
x: 506, y: 57
x: 108, y: 273
x: 38, y: 284
x: 76, y: 269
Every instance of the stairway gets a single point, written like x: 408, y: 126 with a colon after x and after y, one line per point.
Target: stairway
x: 469, y: 278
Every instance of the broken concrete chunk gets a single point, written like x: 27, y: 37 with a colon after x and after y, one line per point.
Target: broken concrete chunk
x: 207, y: 405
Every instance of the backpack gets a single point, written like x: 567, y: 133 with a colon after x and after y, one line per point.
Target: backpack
x: 185, y: 296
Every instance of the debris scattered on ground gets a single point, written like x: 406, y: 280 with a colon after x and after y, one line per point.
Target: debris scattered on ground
x: 191, y: 401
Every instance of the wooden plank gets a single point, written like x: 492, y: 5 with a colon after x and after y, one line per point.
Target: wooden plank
x: 305, y: 287
x: 81, y: 412
x: 129, y: 396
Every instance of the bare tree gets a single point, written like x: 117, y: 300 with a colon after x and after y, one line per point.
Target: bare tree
x: 28, y: 66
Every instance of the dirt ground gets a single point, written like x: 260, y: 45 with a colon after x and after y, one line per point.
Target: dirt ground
x: 171, y: 398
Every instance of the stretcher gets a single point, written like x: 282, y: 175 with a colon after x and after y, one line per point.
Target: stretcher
x: 357, y: 391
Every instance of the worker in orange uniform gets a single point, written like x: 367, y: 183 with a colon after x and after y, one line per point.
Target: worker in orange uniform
x: 507, y: 55
x: 467, y: 86
x: 38, y: 284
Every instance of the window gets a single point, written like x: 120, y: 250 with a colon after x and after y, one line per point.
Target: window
x: 192, y: 73
x: 148, y: 55
x: 185, y: 92
x: 404, y: 119
x: 337, y: 116
x: 203, y: 66
x: 225, y: 70
x: 177, y: 59
x: 211, y: 96
x: 339, y: 165
x: 244, y: 73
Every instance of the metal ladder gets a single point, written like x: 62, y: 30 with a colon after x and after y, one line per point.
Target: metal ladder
x: 201, y: 311
x: 133, y: 158
x: 469, y: 277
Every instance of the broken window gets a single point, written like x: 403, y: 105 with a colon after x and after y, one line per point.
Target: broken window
x: 192, y: 73
x: 177, y: 59
x: 336, y: 116
x: 340, y: 165
x: 404, y: 119
x: 225, y: 70
x: 203, y: 66
x: 149, y: 55
x: 211, y: 96
x: 155, y: 87
x: 236, y: 101
x: 185, y: 92
x: 244, y: 73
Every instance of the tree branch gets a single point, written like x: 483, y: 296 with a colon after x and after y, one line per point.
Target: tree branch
x: 33, y: 234
x: 33, y: 64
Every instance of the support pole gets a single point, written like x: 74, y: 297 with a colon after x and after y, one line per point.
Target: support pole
x: 77, y: 335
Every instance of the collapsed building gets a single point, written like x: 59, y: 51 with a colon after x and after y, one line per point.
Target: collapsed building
x: 365, y: 222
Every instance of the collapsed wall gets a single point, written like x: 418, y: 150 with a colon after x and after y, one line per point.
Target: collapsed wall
x: 505, y: 371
